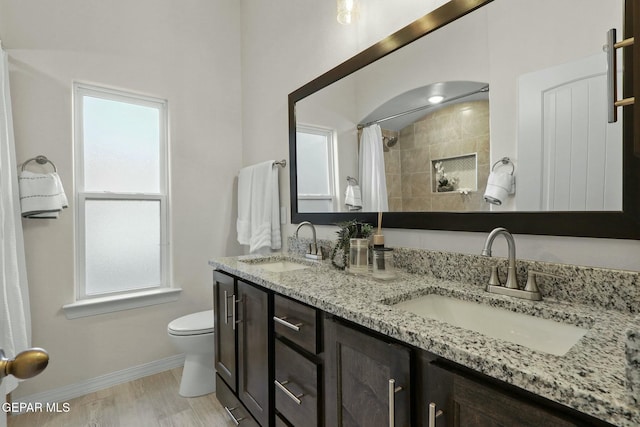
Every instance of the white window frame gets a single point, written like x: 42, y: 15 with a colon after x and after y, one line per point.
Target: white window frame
x: 86, y: 305
x: 329, y: 135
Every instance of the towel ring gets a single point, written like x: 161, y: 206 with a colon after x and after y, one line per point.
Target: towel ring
x: 41, y: 160
x: 504, y: 161
x: 352, y: 181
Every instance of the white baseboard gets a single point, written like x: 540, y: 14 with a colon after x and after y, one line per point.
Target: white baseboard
x: 68, y: 392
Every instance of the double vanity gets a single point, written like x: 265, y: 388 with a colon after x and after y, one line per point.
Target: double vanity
x: 301, y: 343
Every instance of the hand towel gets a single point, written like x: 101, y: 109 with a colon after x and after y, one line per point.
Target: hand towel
x: 243, y: 224
x: 353, y: 197
x: 41, y: 195
x: 499, y: 186
x: 258, y: 223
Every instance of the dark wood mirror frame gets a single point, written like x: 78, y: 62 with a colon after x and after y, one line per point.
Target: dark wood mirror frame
x: 624, y: 224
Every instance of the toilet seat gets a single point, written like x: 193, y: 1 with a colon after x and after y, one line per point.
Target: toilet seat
x: 192, y: 324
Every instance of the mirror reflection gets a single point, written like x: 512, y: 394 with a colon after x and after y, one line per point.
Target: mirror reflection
x: 520, y: 80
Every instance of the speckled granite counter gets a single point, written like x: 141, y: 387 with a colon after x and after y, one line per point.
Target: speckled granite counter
x: 589, y: 378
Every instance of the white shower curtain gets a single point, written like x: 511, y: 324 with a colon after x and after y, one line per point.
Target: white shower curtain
x: 373, y: 182
x: 15, y: 320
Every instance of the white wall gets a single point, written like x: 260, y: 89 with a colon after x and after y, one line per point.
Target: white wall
x: 186, y: 52
x: 287, y: 46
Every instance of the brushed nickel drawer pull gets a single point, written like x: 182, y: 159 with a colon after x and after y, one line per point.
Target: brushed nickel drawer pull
x: 281, y: 386
x: 235, y: 420
x: 433, y: 414
x: 392, y: 401
x: 233, y: 312
x: 226, y: 308
x: 283, y: 321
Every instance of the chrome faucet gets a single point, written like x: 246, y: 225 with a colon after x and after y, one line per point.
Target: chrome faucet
x: 510, y: 288
x: 313, y: 252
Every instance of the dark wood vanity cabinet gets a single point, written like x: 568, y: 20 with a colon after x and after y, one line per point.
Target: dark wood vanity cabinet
x: 450, y: 398
x: 236, y: 412
x: 280, y: 362
x: 242, y: 351
x: 367, y: 379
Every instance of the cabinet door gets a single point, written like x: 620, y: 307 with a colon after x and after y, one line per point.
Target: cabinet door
x: 236, y: 413
x: 433, y: 393
x: 471, y: 403
x: 367, y: 379
x: 253, y: 351
x: 225, y: 328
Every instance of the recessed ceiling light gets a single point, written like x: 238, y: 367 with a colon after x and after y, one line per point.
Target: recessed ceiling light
x: 436, y: 99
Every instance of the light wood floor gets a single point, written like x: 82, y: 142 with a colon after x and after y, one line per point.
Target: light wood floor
x: 151, y: 401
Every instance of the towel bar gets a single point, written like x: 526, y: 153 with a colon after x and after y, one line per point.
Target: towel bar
x: 504, y: 161
x: 41, y: 160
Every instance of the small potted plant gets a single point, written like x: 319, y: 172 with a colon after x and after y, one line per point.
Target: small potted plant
x: 444, y: 182
x: 348, y: 230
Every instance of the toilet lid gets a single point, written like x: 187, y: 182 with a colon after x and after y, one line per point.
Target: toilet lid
x: 193, y: 324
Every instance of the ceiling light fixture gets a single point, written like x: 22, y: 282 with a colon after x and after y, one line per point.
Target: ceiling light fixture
x: 348, y: 11
x: 435, y: 99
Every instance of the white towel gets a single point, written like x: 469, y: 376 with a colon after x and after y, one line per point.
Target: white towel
x: 243, y: 224
x: 353, y: 197
x: 258, y: 223
x: 41, y: 195
x: 499, y: 186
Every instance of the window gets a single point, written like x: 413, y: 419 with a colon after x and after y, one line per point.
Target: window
x: 315, y: 169
x: 121, y: 196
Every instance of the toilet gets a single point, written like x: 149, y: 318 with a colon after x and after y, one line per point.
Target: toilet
x: 193, y: 335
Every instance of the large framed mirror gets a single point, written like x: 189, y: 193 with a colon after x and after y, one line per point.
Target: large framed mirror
x: 483, y: 113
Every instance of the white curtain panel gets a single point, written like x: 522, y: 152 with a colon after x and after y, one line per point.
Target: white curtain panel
x: 15, y: 320
x: 373, y: 182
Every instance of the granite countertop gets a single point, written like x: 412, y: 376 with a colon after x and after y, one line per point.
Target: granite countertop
x: 589, y: 378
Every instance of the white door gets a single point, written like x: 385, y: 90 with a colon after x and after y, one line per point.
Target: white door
x: 3, y: 396
x: 3, y: 414
x: 569, y: 157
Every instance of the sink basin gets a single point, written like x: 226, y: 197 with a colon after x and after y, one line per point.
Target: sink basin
x: 281, y: 266
x: 533, y: 332
x: 277, y: 265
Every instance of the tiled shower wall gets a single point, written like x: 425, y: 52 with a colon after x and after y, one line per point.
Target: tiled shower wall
x: 454, y: 130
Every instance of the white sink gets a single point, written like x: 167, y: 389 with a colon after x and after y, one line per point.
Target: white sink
x: 282, y: 266
x: 533, y: 332
x: 278, y: 264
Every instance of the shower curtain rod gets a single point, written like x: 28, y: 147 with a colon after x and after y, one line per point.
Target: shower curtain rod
x: 424, y: 107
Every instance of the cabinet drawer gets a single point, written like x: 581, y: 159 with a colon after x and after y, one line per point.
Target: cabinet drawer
x: 280, y: 422
x: 297, y: 322
x: 222, y: 277
x: 232, y: 406
x: 296, y: 387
